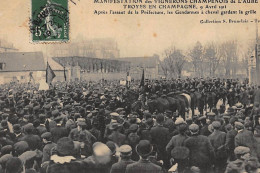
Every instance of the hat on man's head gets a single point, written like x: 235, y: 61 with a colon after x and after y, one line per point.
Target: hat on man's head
x: 20, y: 147
x: 5, y: 158
x: 17, y: 128
x: 7, y: 149
x: 194, y: 128
x: 114, y: 114
x: 125, y: 150
x: 111, y: 145
x: 4, y: 124
x: 65, y: 147
x: 241, y: 150
x: 239, y: 125
x: 55, y: 113
x: 133, y: 127
x: 28, y: 127
x: 144, y: 148
x: 46, y: 135
x: 216, y: 124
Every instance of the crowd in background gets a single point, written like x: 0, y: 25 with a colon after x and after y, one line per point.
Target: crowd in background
x: 94, y: 128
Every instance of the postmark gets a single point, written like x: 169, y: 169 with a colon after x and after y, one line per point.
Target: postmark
x: 49, y: 20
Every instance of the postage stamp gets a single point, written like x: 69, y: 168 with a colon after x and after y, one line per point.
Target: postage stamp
x: 49, y: 20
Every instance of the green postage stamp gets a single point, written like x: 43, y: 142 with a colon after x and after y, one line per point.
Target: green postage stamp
x: 49, y: 20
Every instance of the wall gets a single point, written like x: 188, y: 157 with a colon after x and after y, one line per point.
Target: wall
x: 99, y: 76
x: 22, y: 77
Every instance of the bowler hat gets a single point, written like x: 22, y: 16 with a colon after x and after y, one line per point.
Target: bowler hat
x: 144, y: 148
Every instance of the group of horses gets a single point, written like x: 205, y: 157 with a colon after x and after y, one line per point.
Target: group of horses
x: 175, y: 101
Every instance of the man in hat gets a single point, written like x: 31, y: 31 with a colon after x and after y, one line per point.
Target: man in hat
x: 245, y: 138
x: 230, y: 139
x: 17, y: 135
x: 83, y: 136
x: 125, y: 155
x: 169, y: 123
x: 201, y: 151
x: 178, y: 140
x: 59, y: 131
x: 204, y: 126
x: 14, y: 165
x: 144, y: 149
x: 34, y: 141
x: 133, y: 139
x: 218, y: 139
x: 64, y: 161
x: 160, y: 138
x: 145, y: 133
x: 242, y: 154
x: 41, y: 128
x: 114, y: 117
x: 48, y: 146
x: 117, y: 137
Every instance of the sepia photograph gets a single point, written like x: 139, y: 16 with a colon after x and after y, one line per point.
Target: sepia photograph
x: 129, y: 86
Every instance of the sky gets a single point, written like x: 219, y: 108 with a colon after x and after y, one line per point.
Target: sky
x: 136, y: 35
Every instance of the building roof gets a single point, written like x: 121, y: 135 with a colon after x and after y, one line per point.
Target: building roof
x: 54, y: 65
x: 22, y: 61
x: 146, y: 61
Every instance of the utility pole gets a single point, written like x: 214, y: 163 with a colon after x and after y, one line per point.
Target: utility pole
x: 257, y: 55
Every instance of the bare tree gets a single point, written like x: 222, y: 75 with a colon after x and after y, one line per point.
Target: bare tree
x: 173, y: 62
x: 211, y: 57
x: 229, y: 58
x: 164, y: 68
x: 196, y: 55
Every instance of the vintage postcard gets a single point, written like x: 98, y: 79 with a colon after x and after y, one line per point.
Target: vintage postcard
x: 129, y: 86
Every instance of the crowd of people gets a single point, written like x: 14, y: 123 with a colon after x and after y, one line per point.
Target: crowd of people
x: 90, y: 127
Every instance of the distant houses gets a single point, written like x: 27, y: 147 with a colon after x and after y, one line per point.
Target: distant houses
x: 21, y: 66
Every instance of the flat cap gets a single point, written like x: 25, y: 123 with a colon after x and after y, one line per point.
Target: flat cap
x: 211, y: 114
x: 21, y: 147
x: 239, y: 125
x: 194, y: 128
x: 114, y: 114
x: 240, y: 150
x: 5, y: 158
x: 46, y: 135
x: 55, y: 112
x: 125, y: 149
x: 133, y: 127
x: 216, y: 124
x: 28, y: 127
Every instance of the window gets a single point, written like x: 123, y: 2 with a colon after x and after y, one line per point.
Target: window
x: 2, y: 66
